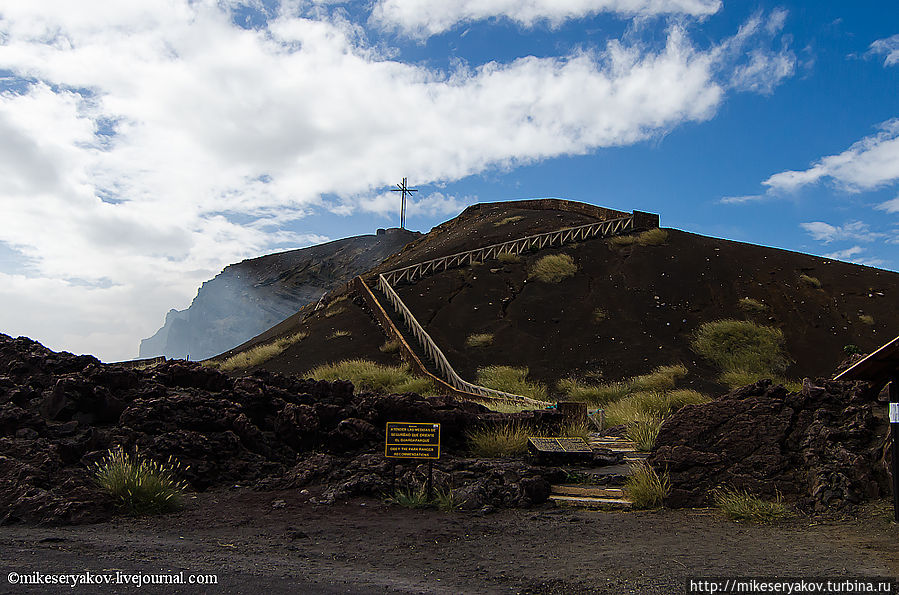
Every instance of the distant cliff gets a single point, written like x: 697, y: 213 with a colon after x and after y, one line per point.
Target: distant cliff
x: 251, y: 296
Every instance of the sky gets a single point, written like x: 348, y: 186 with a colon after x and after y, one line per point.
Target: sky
x: 145, y: 145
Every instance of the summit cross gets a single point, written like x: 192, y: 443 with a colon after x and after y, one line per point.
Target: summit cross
x: 405, y: 190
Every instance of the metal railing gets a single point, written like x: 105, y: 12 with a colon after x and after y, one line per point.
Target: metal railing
x: 553, y: 238
x: 417, y: 271
x: 433, y: 352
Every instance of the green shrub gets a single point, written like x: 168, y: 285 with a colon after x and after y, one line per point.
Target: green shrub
x: 511, y: 380
x: 741, y: 345
x: 445, y: 499
x: 750, y: 305
x: 508, y: 258
x: 645, y: 488
x: 553, y: 268
x: 139, y: 485
x: 479, y: 340
x: 851, y: 349
x: 740, y: 505
x: 643, y: 433
x: 599, y: 315
x: 652, y: 237
x: 810, y: 281
x: 369, y: 376
x: 503, y: 440
x: 391, y: 346
x: 260, y: 353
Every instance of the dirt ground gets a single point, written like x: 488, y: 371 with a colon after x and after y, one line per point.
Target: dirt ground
x: 365, y: 546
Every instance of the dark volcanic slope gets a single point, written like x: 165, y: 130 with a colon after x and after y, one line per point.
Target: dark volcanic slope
x: 655, y: 296
x: 249, y: 297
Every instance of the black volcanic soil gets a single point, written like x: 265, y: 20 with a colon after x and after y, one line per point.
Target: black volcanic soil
x: 656, y: 297
x: 363, y: 547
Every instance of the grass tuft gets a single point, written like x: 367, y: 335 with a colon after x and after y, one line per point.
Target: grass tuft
x: 553, y: 268
x: 508, y: 220
x: 334, y: 311
x: 369, y: 376
x: 600, y: 315
x: 508, y: 258
x: 740, y: 505
x: 748, y: 304
x: 508, y: 406
x: 391, y: 346
x: 511, y: 380
x: 260, y: 353
x: 810, y: 281
x: 741, y: 345
x: 338, y: 334
x: 594, y: 394
x: 503, y: 440
x: 410, y: 497
x: 645, y: 488
x: 139, y: 485
x: 652, y: 237
x: 866, y: 319
x: 643, y: 433
x: 479, y: 340
x: 661, y: 378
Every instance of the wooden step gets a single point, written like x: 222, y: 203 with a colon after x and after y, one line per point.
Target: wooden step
x: 587, y: 491
x: 589, y: 502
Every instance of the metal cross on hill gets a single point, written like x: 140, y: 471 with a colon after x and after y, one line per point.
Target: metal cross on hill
x: 405, y: 190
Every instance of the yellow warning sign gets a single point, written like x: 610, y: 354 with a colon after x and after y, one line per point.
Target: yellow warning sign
x: 407, y: 440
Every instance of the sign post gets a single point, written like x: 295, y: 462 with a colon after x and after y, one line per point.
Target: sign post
x: 409, y: 440
x: 894, y: 432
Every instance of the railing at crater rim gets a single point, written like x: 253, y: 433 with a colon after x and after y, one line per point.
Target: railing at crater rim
x: 559, y: 237
x: 537, y: 241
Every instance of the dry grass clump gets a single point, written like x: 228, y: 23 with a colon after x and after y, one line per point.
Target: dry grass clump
x: 479, y: 340
x: 260, y: 353
x: 810, y: 281
x: 338, y: 334
x: 369, y: 376
x: 748, y: 304
x: 508, y: 406
x: 741, y: 345
x: 645, y: 488
x: 739, y: 378
x: 334, y: 311
x: 508, y: 258
x: 139, y: 485
x: 593, y: 394
x: 391, y: 346
x: 661, y: 378
x: 503, y: 440
x: 600, y: 315
x: 553, y: 268
x: 508, y: 220
x: 866, y: 319
x: 511, y: 380
x: 740, y: 505
x: 643, y: 433
x: 652, y: 237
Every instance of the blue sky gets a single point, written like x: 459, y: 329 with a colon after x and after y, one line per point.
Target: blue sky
x: 146, y: 145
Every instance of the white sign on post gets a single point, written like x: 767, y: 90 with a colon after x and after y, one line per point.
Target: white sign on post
x: 894, y: 413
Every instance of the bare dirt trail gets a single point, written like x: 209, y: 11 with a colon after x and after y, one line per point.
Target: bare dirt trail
x: 366, y: 547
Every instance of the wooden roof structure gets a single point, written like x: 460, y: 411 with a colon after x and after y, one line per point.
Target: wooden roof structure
x: 880, y: 366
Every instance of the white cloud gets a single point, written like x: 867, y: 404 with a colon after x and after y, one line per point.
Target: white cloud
x: 388, y: 204
x: 870, y: 163
x: 890, y: 206
x: 150, y: 144
x: 422, y: 18
x: 853, y: 230
x: 889, y: 48
x: 846, y: 254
